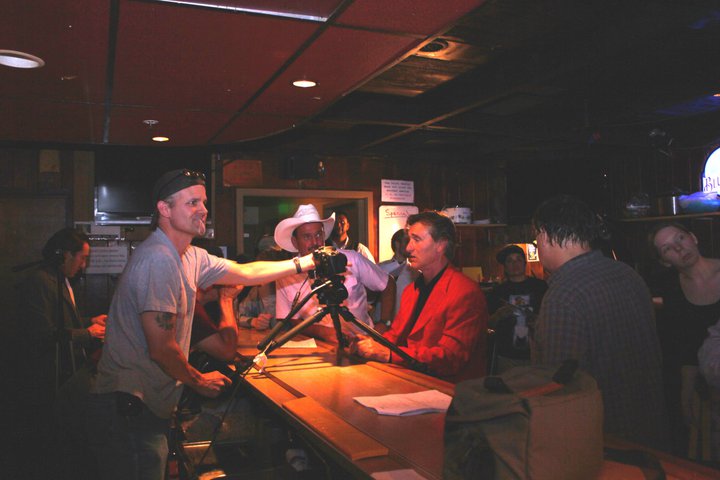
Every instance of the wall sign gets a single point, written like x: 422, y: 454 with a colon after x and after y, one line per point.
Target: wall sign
x: 391, y: 219
x: 397, y: 191
x: 110, y: 260
x: 711, y: 175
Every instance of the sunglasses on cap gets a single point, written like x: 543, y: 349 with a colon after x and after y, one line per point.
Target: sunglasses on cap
x: 185, y: 173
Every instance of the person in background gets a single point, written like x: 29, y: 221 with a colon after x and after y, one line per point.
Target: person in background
x: 709, y: 357
x: 709, y: 364
x: 399, y: 268
x: 443, y: 315
x: 305, y: 232
x: 57, y: 348
x: 598, y: 311
x: 145, y: 357
x: 689, y: 304
x: 339, y: 237
x: 513, y: 306
x: 257, y: 309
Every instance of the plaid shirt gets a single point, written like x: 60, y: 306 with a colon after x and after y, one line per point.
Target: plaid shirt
x: 599, y: 311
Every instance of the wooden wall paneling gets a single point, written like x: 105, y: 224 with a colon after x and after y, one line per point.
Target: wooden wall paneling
x: 83, y: 177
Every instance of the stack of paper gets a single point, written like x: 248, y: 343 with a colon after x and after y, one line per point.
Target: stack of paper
x: 407, y: 403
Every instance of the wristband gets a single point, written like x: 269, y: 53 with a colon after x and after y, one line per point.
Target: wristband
x: 296, y: 261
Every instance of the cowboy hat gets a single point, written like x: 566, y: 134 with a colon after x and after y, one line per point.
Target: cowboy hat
x: 305, y: 214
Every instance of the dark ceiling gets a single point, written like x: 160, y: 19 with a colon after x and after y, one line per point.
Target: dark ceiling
x: 459, y: 78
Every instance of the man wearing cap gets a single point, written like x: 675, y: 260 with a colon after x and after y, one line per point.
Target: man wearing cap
x: 144, y: 362
x: 512, y: 305
x: 443, y: 316
x: 304, y: 232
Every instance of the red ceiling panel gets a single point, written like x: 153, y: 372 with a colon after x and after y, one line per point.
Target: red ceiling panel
x: 420, y: 17
x: 194, y: 58
x: 312, y: 8
x: 71, y: 37
x: 40, y: 121
x: 183, y: 127
x: 339, y: 60
x: 249, y: 127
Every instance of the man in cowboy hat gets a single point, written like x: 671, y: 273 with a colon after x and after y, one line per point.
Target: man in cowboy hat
x: 304, y: 232
x: 144, y: 364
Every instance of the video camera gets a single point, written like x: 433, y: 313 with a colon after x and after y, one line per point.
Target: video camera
x: 329, y: 262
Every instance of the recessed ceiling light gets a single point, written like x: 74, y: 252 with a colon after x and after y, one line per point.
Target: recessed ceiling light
x: 12, y: 58
x: 161, y: 139
x: 304, y: 83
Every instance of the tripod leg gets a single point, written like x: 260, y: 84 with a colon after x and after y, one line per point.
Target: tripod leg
x: 338, y: 334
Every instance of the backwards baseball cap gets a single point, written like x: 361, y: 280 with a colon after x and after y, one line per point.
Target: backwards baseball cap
x: 507, y: 251
x: 174, y: 181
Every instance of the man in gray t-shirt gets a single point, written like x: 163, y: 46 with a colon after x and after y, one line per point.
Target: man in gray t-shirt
x: 144, y: 362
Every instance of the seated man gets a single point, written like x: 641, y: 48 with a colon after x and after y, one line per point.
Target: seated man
x: 512, y: 306
x: 304, y: 232
x: 257, y: 309
x: 399, y: 268
x: 443, y: 316
x: 215, y: 336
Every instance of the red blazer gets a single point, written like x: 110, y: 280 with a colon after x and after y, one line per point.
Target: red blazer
x: 450, y: 333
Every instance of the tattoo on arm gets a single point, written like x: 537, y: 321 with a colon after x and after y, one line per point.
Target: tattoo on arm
x: 165, y: 320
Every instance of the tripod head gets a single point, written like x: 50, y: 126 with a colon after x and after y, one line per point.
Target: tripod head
x: 333, y: 293
x: 329, y: 264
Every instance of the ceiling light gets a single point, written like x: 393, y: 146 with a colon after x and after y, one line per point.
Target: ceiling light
x: 233, y: 8
x: 12, y: 58
x: 161, y: 139
x: 304, y: 83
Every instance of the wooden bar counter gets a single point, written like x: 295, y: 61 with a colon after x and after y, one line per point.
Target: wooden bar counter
x: 315, y: 395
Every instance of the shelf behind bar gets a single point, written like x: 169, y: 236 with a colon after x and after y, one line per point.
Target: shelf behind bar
x: 669, y: 217
x: 480, y: 225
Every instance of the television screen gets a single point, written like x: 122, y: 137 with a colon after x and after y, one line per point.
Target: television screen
x: 124, y: 181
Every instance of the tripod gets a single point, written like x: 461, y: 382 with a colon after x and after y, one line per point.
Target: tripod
x: 331, y: 292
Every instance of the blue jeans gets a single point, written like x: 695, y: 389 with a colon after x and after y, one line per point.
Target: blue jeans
x: 127, y: 447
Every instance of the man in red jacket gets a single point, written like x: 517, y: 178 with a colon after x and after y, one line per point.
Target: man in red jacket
x: 442, y: 321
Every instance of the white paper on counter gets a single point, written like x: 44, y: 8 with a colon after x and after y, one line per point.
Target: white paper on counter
x: 308, y: 343
x: 407, y: 403
x: 405, y: 474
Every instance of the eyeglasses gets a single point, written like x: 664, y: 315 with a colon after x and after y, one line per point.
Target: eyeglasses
x: 184, y: 173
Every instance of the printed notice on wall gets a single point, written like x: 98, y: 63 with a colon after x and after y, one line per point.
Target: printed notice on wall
x: 109, y: 260
x: 397, y: 191
x: 391, y: 219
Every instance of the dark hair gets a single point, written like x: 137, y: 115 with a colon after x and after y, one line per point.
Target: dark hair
x: 440, y: 226
x: 507, y: 251
x: 398, y: 237
x: 567, y: 218
x: 65, y: 240
x: 654, y: 231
